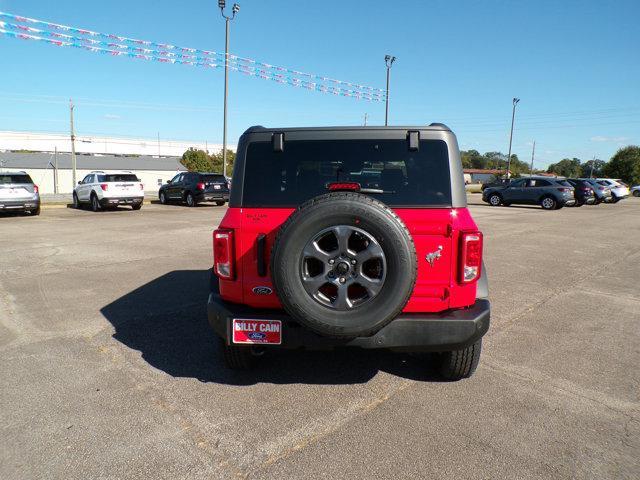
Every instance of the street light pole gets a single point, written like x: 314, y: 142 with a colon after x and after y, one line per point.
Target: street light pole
x: 235, y: 9
x: 533, y: 152
x: 388, y: 60
x: 513, y: 116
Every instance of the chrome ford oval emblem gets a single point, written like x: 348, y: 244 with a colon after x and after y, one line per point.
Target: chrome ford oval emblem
x: 262, y: 290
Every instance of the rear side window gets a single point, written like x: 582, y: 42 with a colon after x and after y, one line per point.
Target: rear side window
x: 391, y: 173
x: 539, y: 183
x: 6, y: 178
x: 564, y: 183
x: 118, y: 177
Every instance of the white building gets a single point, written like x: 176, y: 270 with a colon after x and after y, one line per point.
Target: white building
x: 41, y: 166
x: 49, y: 142
x: 46, y: 157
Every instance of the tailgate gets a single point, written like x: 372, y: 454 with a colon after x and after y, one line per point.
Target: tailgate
x: 124, y: 189
x: 430, y: 230
x: 9, y: 192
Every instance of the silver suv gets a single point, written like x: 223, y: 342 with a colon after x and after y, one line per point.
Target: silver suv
x: 549, y: 193
x: 18, y: 193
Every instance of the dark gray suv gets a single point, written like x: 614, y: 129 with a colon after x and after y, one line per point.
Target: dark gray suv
x: 549, y: 193
x: 18, y: 193
x: 195, y: 187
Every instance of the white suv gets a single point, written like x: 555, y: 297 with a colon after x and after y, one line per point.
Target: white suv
x: 108, y: 190
x: 619, y: 190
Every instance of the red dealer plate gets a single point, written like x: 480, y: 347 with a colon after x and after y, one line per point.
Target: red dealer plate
x: 263, y: 332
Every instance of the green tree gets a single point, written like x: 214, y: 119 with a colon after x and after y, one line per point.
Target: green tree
x: 593, y: 168
x: 567, y: 167
x: 196, y: 160
x: 625, y: 164
x: 216, y: 160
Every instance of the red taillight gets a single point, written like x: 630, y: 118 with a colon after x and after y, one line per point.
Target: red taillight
x: 223, y: 262
x: 35, y: 189
x: 200, y: 186
x: 104, y: 186
x: 563, y: 189
x: 141, y: 186
x: 470, y: 256
x: 351, y: 186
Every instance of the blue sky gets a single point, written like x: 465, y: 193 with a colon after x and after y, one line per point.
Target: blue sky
x: 574, y: 64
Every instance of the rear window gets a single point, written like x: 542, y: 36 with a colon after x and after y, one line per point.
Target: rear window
x: 392, y: 173
x: 6, y: 178
x: 118, y: 177
x: 214, y: 178
x: 564, y: 183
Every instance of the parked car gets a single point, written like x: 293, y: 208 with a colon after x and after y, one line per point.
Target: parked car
x: 549, y: 193
x: 18, y: 193
x: 619, y: 190
x: 601, y: 192
x: 306, y: 256
x: 109, y: 189
x: 583, y: 192
x: 635, y: 191
x: 195, y: 187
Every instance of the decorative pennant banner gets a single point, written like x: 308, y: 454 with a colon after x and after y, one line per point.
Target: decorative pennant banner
x: 115, y: 45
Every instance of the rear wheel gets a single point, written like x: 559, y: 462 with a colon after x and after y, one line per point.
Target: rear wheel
x: 549, y: 203
x: 636, y: 193
x: 459, y: 364
x: 95, y: 204
x: 163, y: 198
x: 76, y: 202
x: 136, y: 207
x: 219, y: 204
x: 495, y: 200
x: 614, y: 199
x: 36, y: 211
x: 191, y: 201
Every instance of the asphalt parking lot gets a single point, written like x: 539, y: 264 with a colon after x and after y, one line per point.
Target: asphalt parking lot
x: 109, y: 370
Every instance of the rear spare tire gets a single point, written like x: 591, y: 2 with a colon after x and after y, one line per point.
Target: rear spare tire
x: 344, y: 264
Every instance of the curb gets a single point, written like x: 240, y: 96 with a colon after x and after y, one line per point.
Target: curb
x: 70, y: 205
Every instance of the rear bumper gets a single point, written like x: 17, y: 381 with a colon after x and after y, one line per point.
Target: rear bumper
x: 212, y: 196
x: 21, y: 204
x: 111, y: 201
x: 444, y: 331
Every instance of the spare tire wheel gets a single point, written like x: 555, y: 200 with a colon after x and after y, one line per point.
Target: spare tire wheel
x: 344, y: 264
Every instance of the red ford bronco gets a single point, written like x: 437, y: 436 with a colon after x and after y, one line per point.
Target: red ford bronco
x: 349, y: 237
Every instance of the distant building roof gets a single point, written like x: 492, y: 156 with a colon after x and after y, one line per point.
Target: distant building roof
x: 484, y: 170
x: 90, y: 162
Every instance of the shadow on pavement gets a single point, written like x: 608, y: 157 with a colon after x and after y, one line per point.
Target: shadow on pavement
x: 166, y: 321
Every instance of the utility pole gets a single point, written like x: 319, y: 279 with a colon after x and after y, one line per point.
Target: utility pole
x: 513, y: 116
x: 388, y: 60
x: 73, y: 145
x: 206, y: 146
x: 235, y: 9
x: 55, y: 170
x: 158, y: 144
x: 533, y: 152
x: 365, y: 119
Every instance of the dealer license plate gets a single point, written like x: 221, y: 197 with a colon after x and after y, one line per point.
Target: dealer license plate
x: 263, y: 332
